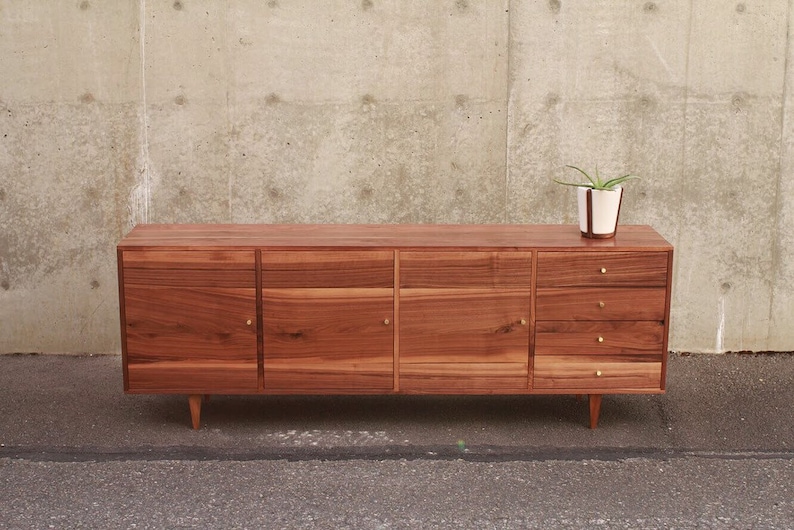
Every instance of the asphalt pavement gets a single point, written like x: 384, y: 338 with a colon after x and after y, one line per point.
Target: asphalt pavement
x: 715, y: 451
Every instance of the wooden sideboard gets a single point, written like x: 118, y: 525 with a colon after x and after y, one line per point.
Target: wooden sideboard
x: 393, y: 309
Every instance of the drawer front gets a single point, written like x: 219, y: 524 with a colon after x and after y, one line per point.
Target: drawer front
x: 189, y: 268
x: 327, y: 269
x: 571, y: 269
x: 600, y: 303
x: 596, y: 374
x: 189, y: 259
x: 428, y: 270
x: 643, y: 338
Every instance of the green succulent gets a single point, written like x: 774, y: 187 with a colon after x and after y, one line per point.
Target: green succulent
x: 596, y: 183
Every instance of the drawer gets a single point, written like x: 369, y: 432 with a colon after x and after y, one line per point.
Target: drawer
x: 642, y: 338
x: 600, y: 303
x: 189, y: 259
x: 570, y: 269
x: 189, y: 268
x: 474, y: 269
x: 327, y: 269
x: 595, y: 374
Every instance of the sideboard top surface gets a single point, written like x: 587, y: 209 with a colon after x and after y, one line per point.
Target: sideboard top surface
x: 391, y: 236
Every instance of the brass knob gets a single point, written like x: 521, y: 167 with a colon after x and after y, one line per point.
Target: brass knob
x: 600, y: 339
x: 248, y: 322
x: 603, y: 270
x: 598, y: 373
x: 601, y: 304
x: 523, y: 322
x: 386, y: 322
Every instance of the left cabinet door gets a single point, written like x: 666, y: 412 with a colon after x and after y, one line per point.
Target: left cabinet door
x: 189, y: 321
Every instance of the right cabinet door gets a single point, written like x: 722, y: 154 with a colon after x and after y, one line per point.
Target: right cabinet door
x: 464, y: 321
x: 600, y: 321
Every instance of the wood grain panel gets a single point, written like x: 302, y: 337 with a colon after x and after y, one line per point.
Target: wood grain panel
x: 463, y: 378
x: 467, y: 325
x: 644, y: 338
x: 190, y: 278
x: 164, y: 323
x: 189, y: 259
x: 193, y: 376
x: 580, y: 374
x: 319, y: 269
x: 563, y: 269
x: 406, y: 237
x: 465, y: 269
x: 600, y: 303
x: 328, y: 339
x: 201, y: 333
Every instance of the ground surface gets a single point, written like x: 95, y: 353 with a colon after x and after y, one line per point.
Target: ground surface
x: 716, y: 451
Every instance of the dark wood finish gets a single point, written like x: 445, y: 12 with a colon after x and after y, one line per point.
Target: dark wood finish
x: 601, y: 303
x: 596, y: 373
x: 470, y: 309
x: 475, y: 337
x: 465, y: 270
x: 585, y: 337
x: 595, y: 409
x: 337, y: 269
x: 587, y: 269
x: 328, y: 340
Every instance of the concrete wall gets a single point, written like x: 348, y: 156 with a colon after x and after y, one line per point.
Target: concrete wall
x: 114, y: 113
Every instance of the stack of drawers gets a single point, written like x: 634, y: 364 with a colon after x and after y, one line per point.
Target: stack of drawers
x: 600, y: 322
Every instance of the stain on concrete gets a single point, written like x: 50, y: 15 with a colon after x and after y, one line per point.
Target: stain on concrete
x: 650, y: 7
x: 461, y: 101
x: 462, y: 5
x: 272, y: 99
x: 180, y: 100
x: 84, y: 5
x: 272, y: 4
x: 178, y: 5
x: 87, y: 97
x: 5, y: 285
x: 741, y: 7
x: 552, y: 99
x: 94, y: 284
x: 366, y: 5
x: 2, y: 195
x: 555, y: 6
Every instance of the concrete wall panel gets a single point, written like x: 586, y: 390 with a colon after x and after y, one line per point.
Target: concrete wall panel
x: 456, y: 111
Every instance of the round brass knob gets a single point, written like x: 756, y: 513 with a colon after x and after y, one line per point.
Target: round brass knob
x: 600, y: 339
x: 248, y: 322
x: 601, y: 304
x: 598, y: 373
x: 386, y: 322
x: 603, y: 270
x: 523, y: 322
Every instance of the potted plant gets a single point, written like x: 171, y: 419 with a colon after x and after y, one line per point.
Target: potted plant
x: 599, y: 203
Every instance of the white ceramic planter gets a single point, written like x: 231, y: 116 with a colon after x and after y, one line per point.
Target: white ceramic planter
x: 601, y: 220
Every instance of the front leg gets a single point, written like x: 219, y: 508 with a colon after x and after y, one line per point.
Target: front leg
x: 595, y: 409
x: 194, y: 400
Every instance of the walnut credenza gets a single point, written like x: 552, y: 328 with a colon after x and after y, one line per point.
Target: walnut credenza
x: 403, y: 309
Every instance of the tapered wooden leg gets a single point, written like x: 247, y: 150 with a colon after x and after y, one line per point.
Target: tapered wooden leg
x: 194, y: 401
x: 595, y: 409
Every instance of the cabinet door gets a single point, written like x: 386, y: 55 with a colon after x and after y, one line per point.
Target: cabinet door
x: 328, y: 320
x: 190, y: 321
x: 464, y: 321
